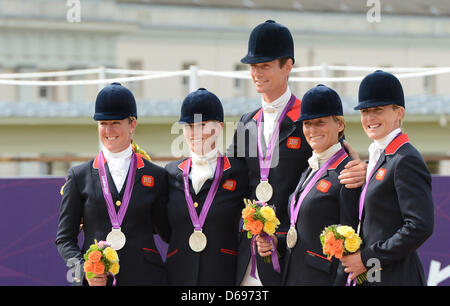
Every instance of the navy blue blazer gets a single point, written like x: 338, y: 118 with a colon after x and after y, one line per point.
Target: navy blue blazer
x: 290, y: 160
x: 216, y: 264
x: 83, y: 201
x: 398, y: 214
x: 328, y: 202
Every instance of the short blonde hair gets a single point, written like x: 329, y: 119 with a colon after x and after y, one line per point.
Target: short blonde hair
x: 340, y: 119
x: 395, y: 107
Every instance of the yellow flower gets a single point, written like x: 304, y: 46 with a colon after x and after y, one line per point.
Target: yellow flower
x: 269, y: 228
x: 268, y: 213
x: 61, y: 192
x: 352, y: 243
x: 114, y: 269
x: 111, y: 255
x: 276, y: 221
x: 346, y: 231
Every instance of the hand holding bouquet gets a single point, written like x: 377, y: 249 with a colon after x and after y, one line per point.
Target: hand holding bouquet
x: 259, y: 217
x: 341, y: 240
x: 260, y: 220
x: 100, y: 259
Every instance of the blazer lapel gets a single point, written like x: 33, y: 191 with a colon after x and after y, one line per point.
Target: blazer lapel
x: 288, y: 125
x: 287, y: 128
x: 180, y: 178
x: 303, y: 178
x: 380, y: 162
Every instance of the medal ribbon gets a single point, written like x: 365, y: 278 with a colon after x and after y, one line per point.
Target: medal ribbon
x: 274, y: 255
x: 196, y: 220
x: 296, y: 208
x: 264, y: 163
x: 117, y: 218
x: 361, y: 208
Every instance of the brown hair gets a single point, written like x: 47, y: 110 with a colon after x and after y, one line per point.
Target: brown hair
x: 282, y: 61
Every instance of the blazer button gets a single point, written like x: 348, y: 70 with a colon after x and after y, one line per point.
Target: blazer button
x: 195, y: 204
x: 118, y: 203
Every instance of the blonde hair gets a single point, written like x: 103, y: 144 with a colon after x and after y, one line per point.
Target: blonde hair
x: 340, y: 119
x: 395, y: 107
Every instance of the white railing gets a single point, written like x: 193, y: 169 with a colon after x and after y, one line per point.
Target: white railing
x: 194, y: 73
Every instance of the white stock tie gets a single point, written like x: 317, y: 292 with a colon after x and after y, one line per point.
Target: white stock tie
x: 374, y: 154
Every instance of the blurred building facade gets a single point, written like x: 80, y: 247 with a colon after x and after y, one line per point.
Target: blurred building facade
x: 46, y: 121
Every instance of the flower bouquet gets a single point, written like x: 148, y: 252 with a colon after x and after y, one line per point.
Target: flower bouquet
x: 100, y: 258
x: 260, y: 219
x: 340, y: 240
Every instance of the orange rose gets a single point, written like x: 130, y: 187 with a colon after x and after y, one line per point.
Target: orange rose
x: 99, y: 268
x: 329, y: 238
x: 256, y: 227
x: 88, y: 266
x: 247, y: 213
x: 338, y: 248
x: 248, y: 224
x: 95, y: 256
x: 332, y: 246
x: 327, y: 249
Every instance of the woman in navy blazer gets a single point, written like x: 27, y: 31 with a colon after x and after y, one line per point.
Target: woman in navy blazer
x: 84, y: 202
x: 397, y: 210
x: 215, y: 264
x: 328, y: 202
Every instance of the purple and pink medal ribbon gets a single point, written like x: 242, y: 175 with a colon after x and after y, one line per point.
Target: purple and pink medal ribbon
x: 117, y: 218
x: 274, y: 256
x: 264, y: 168
x: 197, y: 221
x: 265, y: 163
x: 294, y: 209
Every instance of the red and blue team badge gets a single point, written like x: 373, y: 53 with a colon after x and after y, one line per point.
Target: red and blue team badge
x: 380, y: 174
x: 294, y: 143
x: 229, y: 185
x: 148, y: 181
x: 323, y: 186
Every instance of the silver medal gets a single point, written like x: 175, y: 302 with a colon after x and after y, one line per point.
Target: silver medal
x: 116, y: 239
x: 197, y: 241
x: 291, y: 238
x: 264, y: 191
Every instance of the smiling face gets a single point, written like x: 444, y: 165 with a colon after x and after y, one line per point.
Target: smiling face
x: 115, y: 135
x: 270, y: 79
x: 322, y: 133
x: 202, y: 136
x: 379, y: 121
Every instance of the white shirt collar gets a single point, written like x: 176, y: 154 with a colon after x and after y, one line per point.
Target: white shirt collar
x: 119, y: 155
x: 278, y: 104
x: 377, y: 147
x: 328, y: 153
x: 318, y: 159
x: 385, y: 141
x: 210, y: 157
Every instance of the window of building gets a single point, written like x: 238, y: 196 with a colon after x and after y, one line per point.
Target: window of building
x: 240, y: 85
x: 47, y: 93
x: 136, y: 87
x: 429, y: 84
x: 339, y: 86
x: 186, y: 79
